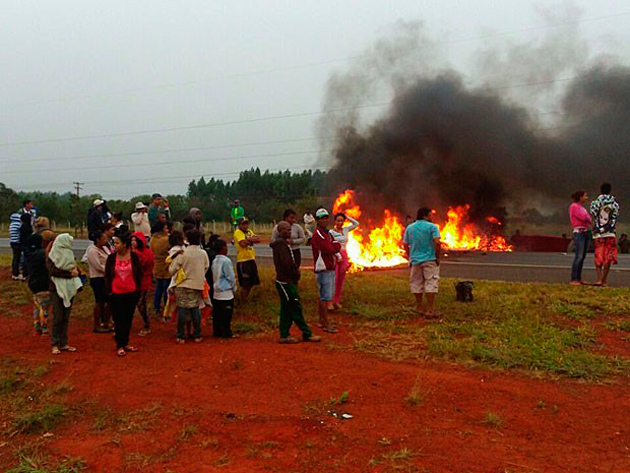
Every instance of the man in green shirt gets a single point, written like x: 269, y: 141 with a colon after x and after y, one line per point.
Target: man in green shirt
x: 237, y: 213
x: 158, y: 205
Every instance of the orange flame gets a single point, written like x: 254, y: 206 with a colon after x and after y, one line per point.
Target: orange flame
x: 382, y: 247
x: 458, y: 234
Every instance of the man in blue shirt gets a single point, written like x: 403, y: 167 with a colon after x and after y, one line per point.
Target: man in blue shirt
x: 422, y: 246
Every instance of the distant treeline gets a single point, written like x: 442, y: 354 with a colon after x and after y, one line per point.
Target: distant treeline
x: 264, y: 195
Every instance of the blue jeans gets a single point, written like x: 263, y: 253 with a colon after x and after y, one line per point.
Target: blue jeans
x: 580, y: 241
x: 161, y: 285
x: 326, y: 284
x: 182, y: 315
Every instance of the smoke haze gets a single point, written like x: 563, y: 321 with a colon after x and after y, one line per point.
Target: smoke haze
x: 560, y: 123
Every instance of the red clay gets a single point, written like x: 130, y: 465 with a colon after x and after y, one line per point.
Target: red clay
x: 260, y: 406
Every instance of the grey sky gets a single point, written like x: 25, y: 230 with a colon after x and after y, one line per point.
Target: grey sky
x: 82, y: 68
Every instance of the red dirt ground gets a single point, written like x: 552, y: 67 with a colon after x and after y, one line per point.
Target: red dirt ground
x: 256, y: 407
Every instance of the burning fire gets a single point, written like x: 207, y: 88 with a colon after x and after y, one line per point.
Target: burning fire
x: 383, y: 247
x: 458, y: 234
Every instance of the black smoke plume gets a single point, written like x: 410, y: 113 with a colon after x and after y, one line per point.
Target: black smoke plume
x: 444, y: 143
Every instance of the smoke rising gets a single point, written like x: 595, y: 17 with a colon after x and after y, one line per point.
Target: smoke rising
x: 446, y: 140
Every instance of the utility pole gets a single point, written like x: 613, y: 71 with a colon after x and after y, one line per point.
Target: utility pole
x: 78, y: 187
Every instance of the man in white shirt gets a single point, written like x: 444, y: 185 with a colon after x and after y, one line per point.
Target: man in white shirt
x: 140, y: 219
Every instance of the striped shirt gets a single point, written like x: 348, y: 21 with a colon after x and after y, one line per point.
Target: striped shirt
x: 14, y: 228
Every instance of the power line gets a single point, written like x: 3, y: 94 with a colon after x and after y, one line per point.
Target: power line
x: 191, y: 127
x: 174, y: 162
x: 255, y: 120
x: 141, y: 153
x: 306, y: 65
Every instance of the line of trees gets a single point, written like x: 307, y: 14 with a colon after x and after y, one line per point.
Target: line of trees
x: 264, y: 195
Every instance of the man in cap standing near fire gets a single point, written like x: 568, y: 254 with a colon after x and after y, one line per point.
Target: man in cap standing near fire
x: 422, y: 246
x: 325, y: 251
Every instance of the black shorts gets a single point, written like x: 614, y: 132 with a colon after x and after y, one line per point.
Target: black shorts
x: 98, y: 288
x: 247, y: 272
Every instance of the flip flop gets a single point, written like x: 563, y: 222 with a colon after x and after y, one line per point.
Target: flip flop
x: 121, y: 352
x: 56, y: 351
x: 68, y: 348
x: 131, y: 349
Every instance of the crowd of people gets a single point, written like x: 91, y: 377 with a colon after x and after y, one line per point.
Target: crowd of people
x: 185, y: 271
x: 188, y: 272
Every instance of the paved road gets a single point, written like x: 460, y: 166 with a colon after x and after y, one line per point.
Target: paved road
x: 543, y: 267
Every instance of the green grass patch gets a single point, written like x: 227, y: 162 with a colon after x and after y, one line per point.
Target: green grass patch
x: 618, y: 325
x: 509, y: 325
x: 42, y: 420
x: 30, y: 465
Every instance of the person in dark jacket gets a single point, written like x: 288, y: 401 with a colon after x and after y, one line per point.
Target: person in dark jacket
x: 123, y: 283
x: 38, y: 283
x: 95, y: 218
x: 26, y: 230
x: 287, y: 277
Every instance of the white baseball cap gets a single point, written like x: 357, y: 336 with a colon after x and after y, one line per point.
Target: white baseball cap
x: 321, y: 213
x: 98, y: 202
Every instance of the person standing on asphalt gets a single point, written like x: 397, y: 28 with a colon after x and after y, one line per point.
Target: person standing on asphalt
x: 28, y: 207
x: 605, y: 212
x: 95, y: 218
x: 297, y: 237
x: 287, y: 277
x: 309, y: 223
x: 236, y: 214
x: 581, y: 222
x: 325, y: 251
x: 422, y: 246
x: 140, y: 219
x: 158, y: 205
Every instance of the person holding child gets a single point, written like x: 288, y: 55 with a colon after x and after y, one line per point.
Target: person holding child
x: 194, y: 263
x: 64, y: 285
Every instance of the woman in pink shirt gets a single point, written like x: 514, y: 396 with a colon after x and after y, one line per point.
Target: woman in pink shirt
x: 123, y: 282
x: 581, y: 223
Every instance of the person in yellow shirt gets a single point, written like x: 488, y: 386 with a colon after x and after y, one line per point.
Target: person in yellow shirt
x: 246, y: 268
